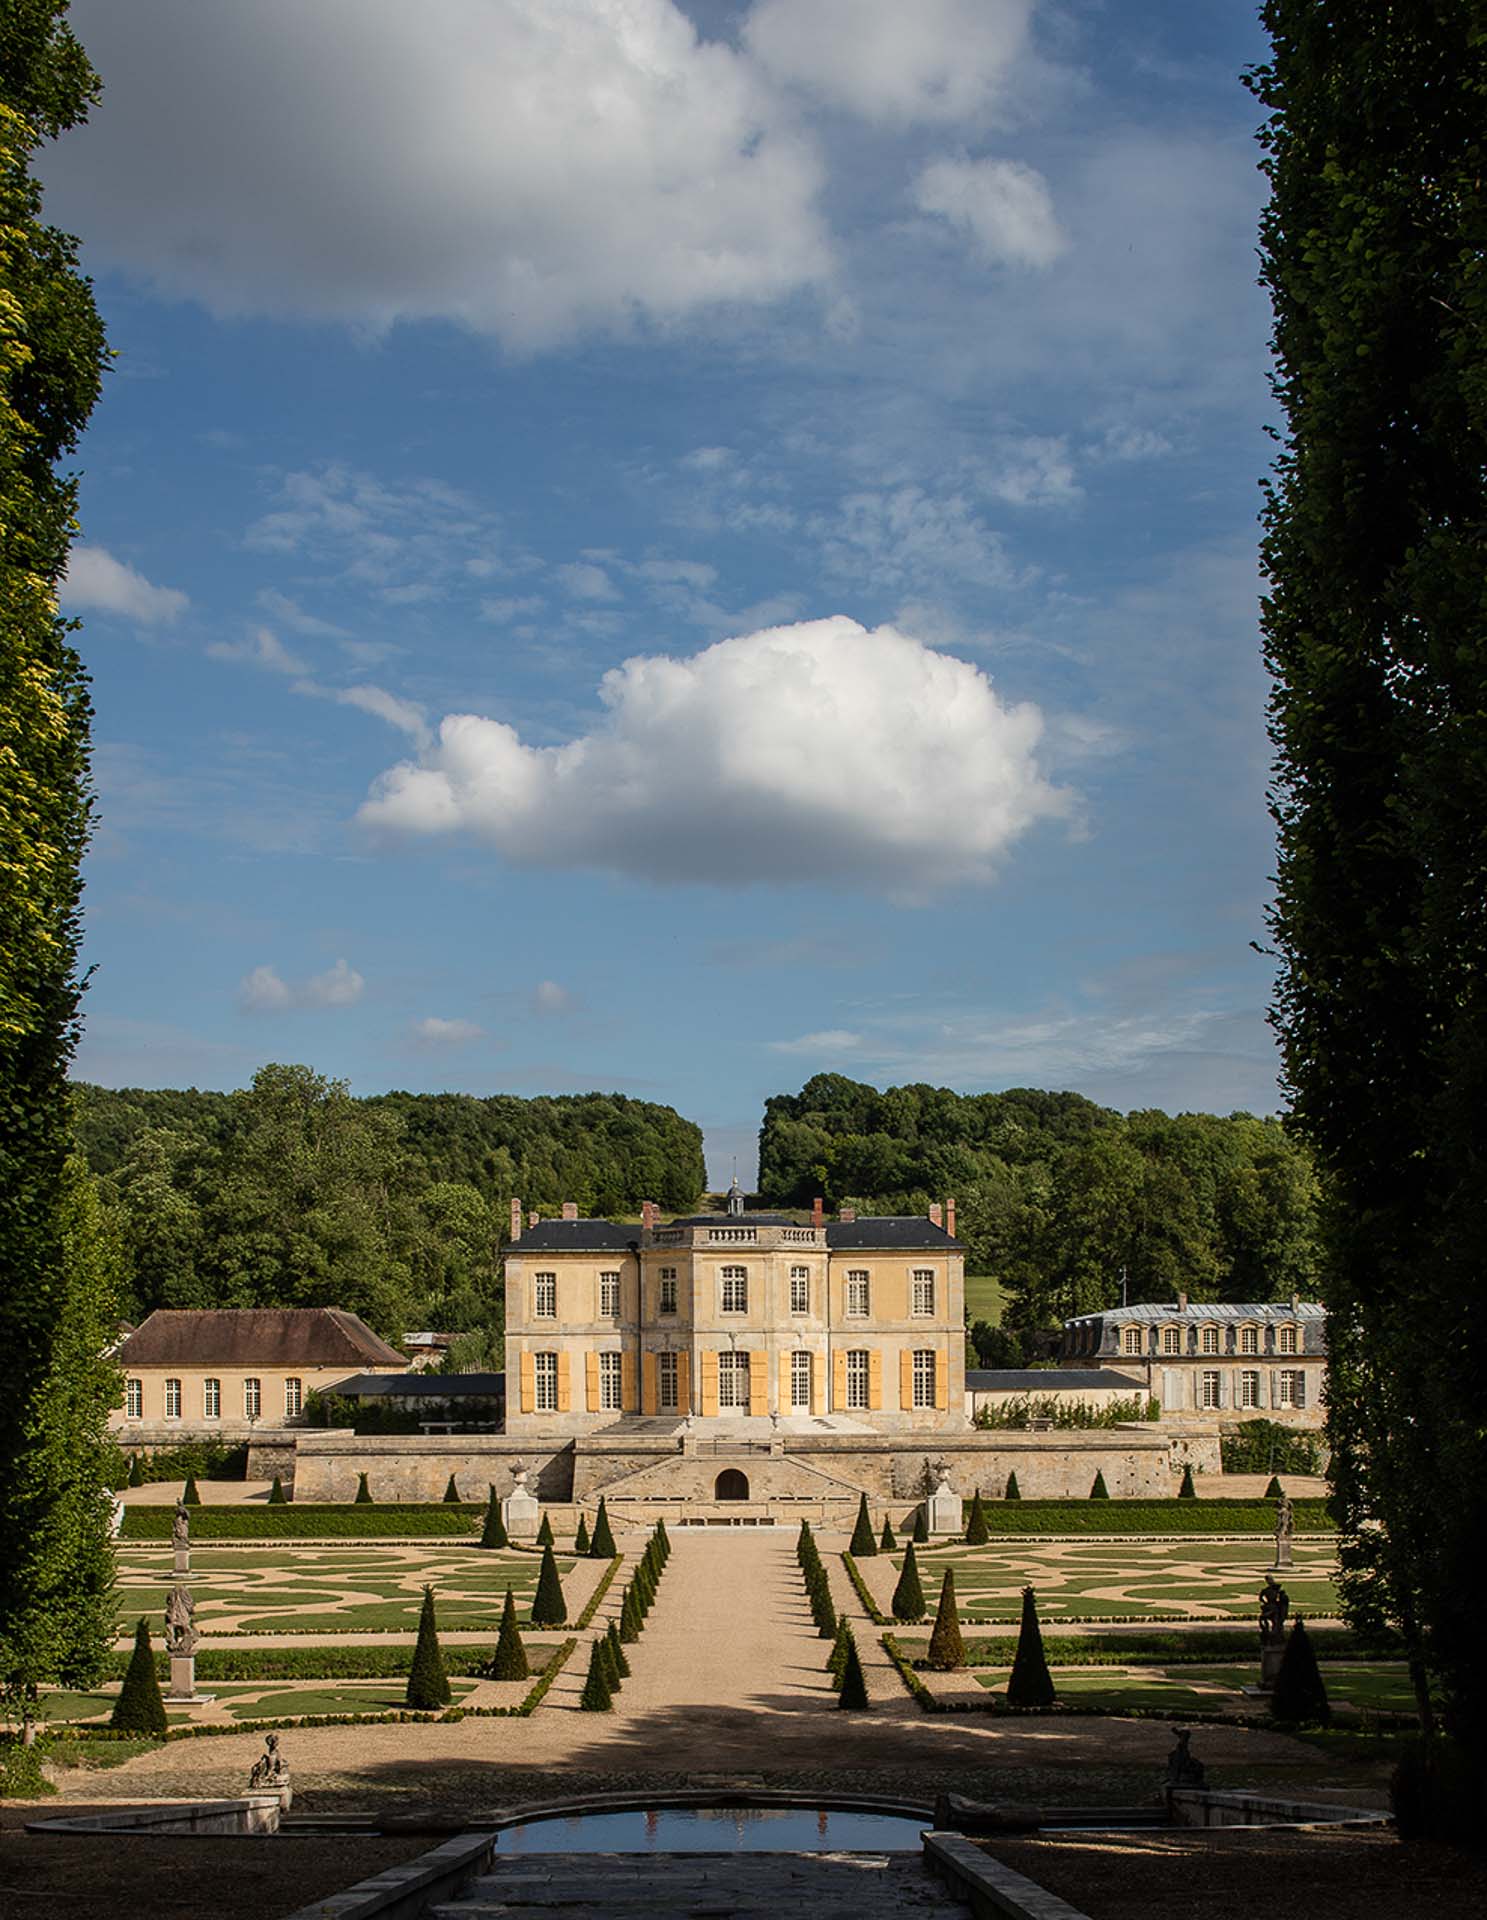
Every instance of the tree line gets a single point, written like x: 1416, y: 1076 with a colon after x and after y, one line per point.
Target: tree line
x: 1070, y: 1205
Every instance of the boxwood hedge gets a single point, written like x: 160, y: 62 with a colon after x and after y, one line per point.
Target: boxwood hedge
x: 348, y: 1522
x: 1146, y: 1516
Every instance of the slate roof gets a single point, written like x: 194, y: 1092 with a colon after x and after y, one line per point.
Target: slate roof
x: 256, y: 1336
x: 888, y: 1231
x: 577, y: 1236
x: 1194, y: 1314
x: 425, y: 1386
x: 1048, y: 1380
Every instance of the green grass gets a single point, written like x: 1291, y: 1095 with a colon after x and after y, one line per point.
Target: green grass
x: 291, y: 1702
x: 985, y: 1298
x: 1209, y: 1689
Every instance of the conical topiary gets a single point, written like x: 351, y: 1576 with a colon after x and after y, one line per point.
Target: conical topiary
x: 1099, y: 1491
x: 545, y: 1536
x: 977, y: 1531
x: 601, y: 1541
x: 189, y: 1496
x: 617, y: 1648
x: 836, y: 1660
x: 139, y: 1707
x: 665, y: 1539
x: 824, y: 1610
x: 1030, y: 1683
x: 946, y: 1648
x: 363, y: 1493
x: 1014, y: 1492
x: 921, y: 1524
x: 494, y: 1532
x: 510, y: 1659
x: 611, y: 1665
x: 853, y: 1694
x: 630, y: 1622
x: 549, y: 1608
x: 595, y: 1697
x: 276, y: 1494
x: 1300, y: 1696
x: 864, y: 1542
x: 428, y: 1683
x: 136, y: 1471
x: 908, y: 1595
x: 802, y: 1541
x: 452, y: 1493
x: 887, y: 1543
x: 1187, y: 1491
x: 581, y: 1538
x: 1275, y: 1491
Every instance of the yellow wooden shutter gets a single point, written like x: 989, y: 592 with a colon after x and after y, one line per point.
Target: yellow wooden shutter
x: 786, y: 1403
x: 709, y: 1381
x: 758, y: 1385
x: 874, y: 1380
x: 591, y: 1380
x: 627, y: 1382
x: 565, y: 1384
x: 683, y: 1382
x: 839, y: 1378
x: 942, y: 1381
x: 528, y: 1382
x: 818, y: 1386
x: 648, y: 1383
x: 906, y: 1378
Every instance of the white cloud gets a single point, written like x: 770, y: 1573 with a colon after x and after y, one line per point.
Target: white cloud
x: 295, y: 617
x: 406, y: 715
x: 585, y: 581
x: 265, y: 990
x: 526, y: 171
x: 1002, y: 206
x: 261, y: 649
x: 549, y: 997
x: 434, y: 1032
x: 919, y: 60
x: 1035, y: 472
x: 820, y: 752
x: 905, y: 537
x: 831, y: 1040
x: 95, y: 582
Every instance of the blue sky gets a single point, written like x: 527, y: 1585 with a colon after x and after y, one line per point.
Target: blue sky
x: 670, y: 548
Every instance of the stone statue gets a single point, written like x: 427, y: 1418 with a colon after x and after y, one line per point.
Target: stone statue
x: 1284, y: 1527
x: 1182, y: 1769
x: 1275, y: 1604
x: 180, y: 1527
x: 180, y: 1622
x: 269, y: 1769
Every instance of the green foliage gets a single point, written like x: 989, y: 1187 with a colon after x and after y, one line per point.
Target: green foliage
x: 139, y: 1707
x: 601, y: 1545
x: 630, y: 1620
x: 887, y: 1542
x: 1099, y: 1491
x: 545, y: 1533
x: 509, y: 1662
x: 549, y: 1608
x: 205, y: 1459
x: 977, y: 1532
x: 1300, y: 1695
x: 864, y: 1545
x: 136, y: 1472
x: 581, y: 1537
x: 908, y: 1595
x: 836, y: 1660
x: 852, y: 1694
x: 611, y: 1665
x: 1275, y: 1491
x: 1018, y: 1515
x: 1014, y: 1492
x: 1265, y: 1446
x: 1076, y: 1415
x: 452, y: 1492
x: 595, y: 1697
x: 1187, y: 1491
x: 190, y: 1496
x: 1376, y: 639
x: 21, y: 1776
x: 306, y: 1522
x: 946, y: 1648
x: 664, y: 1540
x: 617, y: 1651
x: 276, y: 1494
x: 363, y: 1492
x: 921, y: 1524
x: 428, y: 1683
x: 493, y: 1533
x: 1030, y: 1684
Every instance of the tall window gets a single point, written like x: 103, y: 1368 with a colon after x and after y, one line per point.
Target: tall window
x: 211, y: 1400
x: 252, y: 1399
x: 545, y: 1296
x: 293, y: 1397
x: 609, y: 1295
x: 1210, y: 1340
x: 1249, y: 1389
x: 545, y: 1381
x: 857, y: 1377
x: 857, y: 1293
x: 924, y: 1290
x: 666, y: 1382
x: 800, y: 1289
x: 667, y: 1301
x: 134, y: 1399
x: 733, y: 1380
x: 800, y: 1381
x: 172, y: 1399
x: 735, y: 1289
x: 1292, y: 1388
x: 1131, y: 1340
x: 1171, y: 1339
x: 1210, y: 1393
x: 924, y: 1378
x: 610, y: 1379
x: 1249, y: 1339
x: 1286, y: 1340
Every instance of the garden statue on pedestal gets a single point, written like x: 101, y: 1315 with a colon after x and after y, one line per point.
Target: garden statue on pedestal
x: 180, y: 1537
x: 1275, y: 1604
x: 180, y: 1643
x: 1284, y: 1526
x: 521, y: 1509
x: 945, y: 1513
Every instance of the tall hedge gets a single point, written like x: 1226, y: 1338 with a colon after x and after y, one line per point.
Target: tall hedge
x: 428, y: 1683
x: 139, y: 1707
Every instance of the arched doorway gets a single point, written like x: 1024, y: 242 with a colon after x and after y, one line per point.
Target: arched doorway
x: 732, y: 1485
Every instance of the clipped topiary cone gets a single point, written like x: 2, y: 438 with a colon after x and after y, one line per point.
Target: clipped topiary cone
x: 494, y: 1532
x: 595, y: 1697
x: 1300, y: 1696
x: 545, y: 1533
x: 549, y: 1608
x: 908, y: 1595
x: 136, y: 1471
x: 189, y: 1496
x: 1030, y: 1683
x: 601, y: 1542
x: 630, y: 1622
x: 803, y: 1541
x: 665, y: 1539
x: 886, y: 1542
x: 946, y: 1648
x: 864, y: 1543
x: 977, y: 1531
x: 1187, y: 1491
x: 1014, y: 1492
x: 617, y: 1648
x: 428, y: 1683
x: 1099, y: 1491
x: 921, y: 1524
x: 510, y: 1658
x: 363, y: 1493
x: 452, y: 1493
x: 611, y: 1665
x: 139, y: 1707
x: 1275, y: 1491
x: 581, y: 1538
x: 853, y: 1695
x: 825, y: 1613
x: 276, y: 1494
x: 836, y: 1660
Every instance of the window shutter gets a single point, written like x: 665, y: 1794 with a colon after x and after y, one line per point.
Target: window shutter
x: 591, y: 1380
x: 906, y: 1378
x: 942, y: 1382
x: 627, y: 1382
x: 787, y: 1404
x: 683, y: 1383
x: 1275, y: 1386
x: 648, y: 1394
x: 839, y: 1377
x: 818, y: 1384
x: 1224, y: 1389
x: 758, y: 1385
x: 709, y: 1381
x: 528, y: 1382
x: 874, y: 1380
x: 565, y: 1383
x: 1300, y: 1386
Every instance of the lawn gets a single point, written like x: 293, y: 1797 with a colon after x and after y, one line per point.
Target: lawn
x: 1195, y: 1689
x: 985, y: 1298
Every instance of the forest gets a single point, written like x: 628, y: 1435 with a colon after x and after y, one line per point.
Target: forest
x: 292, y: 1192
x: 1066, y: 1203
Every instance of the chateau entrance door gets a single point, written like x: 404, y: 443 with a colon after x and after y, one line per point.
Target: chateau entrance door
x: 733, y: 1382
x: 731, y: 1485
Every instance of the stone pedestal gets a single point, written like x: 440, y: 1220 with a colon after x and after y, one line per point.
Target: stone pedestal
x: 522, y: 1511
x: 945, y: 1511
x: 183, y: 1560
x: 1282, y: 1555
x: 1270, y: 1659
x: 183, y: 1683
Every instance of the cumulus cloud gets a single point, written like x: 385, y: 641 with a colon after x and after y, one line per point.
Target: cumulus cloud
x: 549, y: 997
x: 820, y: 752
x: 434, y: 1032
x: 526, y: 171
x: 929, y: 60
x: 1003, y: 207
x: 95, y: 582
x: 265, y: 990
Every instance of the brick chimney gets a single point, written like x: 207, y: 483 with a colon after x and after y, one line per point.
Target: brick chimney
x: 533, y: 1219
x: 516, y: 1219
x: 1182, y: 1303
x: 934, y: 1214
x: 847, y: 1216
x: 950, y: 1216
x: 570, y: 1209
x: 648, y: 1212
x: 818, y: 1212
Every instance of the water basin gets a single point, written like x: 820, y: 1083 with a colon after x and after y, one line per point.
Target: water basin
x: 716, y: 1830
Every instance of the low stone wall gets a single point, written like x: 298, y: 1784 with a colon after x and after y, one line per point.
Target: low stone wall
x: 270, y: 1454
x: 254, y: 1813
x: 415, y: 1467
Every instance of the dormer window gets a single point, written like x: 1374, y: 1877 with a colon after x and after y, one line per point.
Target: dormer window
x: 1209, y: 1340
x: 1171, y: 1339
x: 1131, y: 1340
x: 1249, y: 1339
x: 1286, y: 1341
